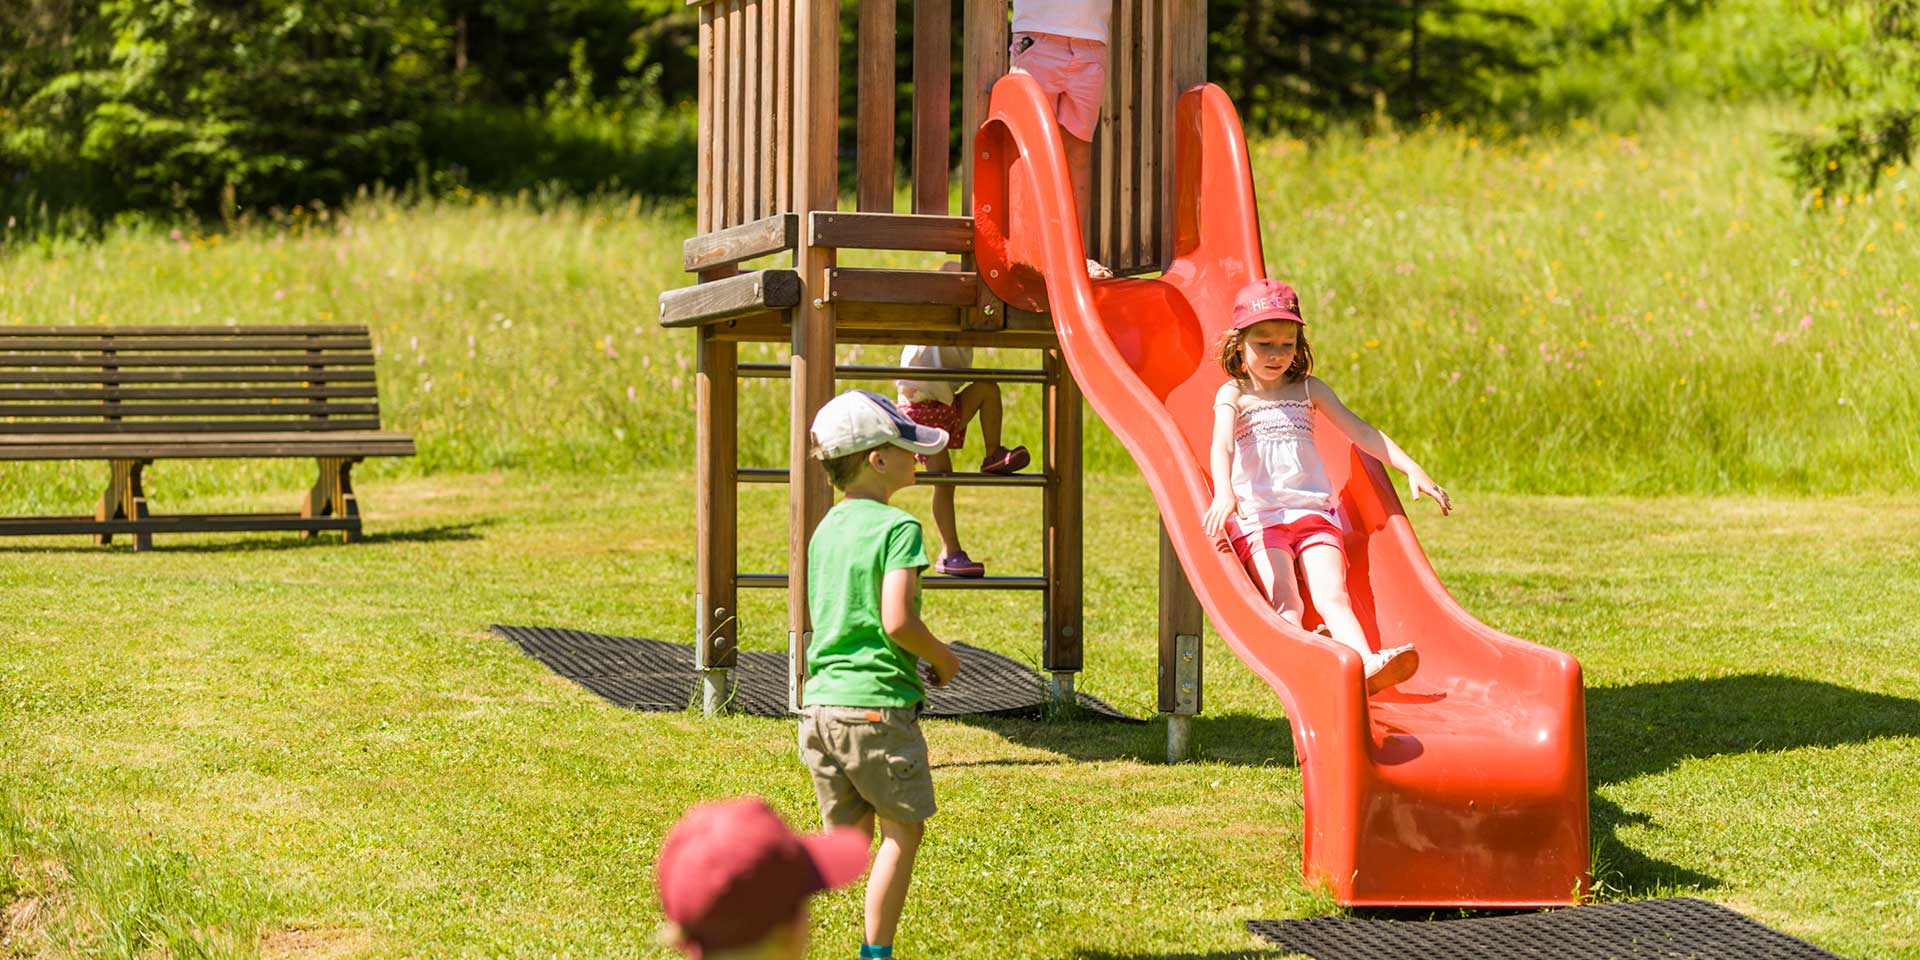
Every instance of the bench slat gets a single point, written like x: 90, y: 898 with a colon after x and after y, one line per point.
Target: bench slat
x: 180, y: 409
x: 188, y: 392
x: 182, y: 344
x: 153, y: 427
x: 261, y: 360
x: 187, y: 376
x: 321, y: 446
x: 187, y: 330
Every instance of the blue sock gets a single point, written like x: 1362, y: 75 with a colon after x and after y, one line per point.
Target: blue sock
x: 870, y: 952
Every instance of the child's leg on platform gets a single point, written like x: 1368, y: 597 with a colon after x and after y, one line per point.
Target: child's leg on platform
x: 943, y: 522
x: 892, y: 872
x: 1326, y: 569
x: 981, y: 397
x: 1080, y: 170
x: 1273, y: 571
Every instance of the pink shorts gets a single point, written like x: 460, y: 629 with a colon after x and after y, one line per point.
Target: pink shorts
x: 1289, y: 538
x: 945, y: 416
x: 1071, y: 72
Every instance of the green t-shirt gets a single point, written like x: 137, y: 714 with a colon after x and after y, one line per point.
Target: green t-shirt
x: 851, y: 661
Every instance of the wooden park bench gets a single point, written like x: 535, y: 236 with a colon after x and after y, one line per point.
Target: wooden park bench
x: 133, y: 395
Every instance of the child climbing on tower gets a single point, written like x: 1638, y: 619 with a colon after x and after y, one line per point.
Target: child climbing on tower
x: 1062, y: 45
x: 935, y: 403
x: 1271, y: 496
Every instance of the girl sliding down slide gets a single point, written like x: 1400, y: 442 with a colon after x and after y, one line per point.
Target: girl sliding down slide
x: 1271, y: 499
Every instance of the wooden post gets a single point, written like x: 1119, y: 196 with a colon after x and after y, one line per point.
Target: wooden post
x: 1180, y: 653
x: 716, y: 637
x: 1062, y: 649
x: 932, y: 100
x: 125, y: 499
x: 1183, y: 62
x: 873, y: 141
x: 816, y: 127
x: 332, y: 495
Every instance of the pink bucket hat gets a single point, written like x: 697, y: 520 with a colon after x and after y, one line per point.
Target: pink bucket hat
x: 1265, y: 300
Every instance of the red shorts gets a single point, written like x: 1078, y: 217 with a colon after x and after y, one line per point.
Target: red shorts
x: 945, y: 416
x: 1290, y: 538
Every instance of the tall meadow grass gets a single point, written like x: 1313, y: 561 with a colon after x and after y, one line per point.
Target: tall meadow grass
x: 1586, y: 311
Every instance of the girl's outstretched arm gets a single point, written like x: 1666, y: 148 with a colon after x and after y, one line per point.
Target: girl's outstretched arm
x: 1221, y: 455
x: 1380, y: 446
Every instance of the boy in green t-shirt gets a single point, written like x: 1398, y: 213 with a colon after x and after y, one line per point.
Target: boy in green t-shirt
x: 860, y: 728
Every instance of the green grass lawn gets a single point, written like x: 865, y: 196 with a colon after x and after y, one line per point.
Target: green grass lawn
x: 261, y: 744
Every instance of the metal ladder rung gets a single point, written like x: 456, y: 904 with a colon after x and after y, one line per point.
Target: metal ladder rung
x: 955, y: 479
x: 780, y: 371
x: 929, y: 582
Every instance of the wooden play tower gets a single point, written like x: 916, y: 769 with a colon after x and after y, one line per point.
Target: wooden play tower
x: 769, y: 177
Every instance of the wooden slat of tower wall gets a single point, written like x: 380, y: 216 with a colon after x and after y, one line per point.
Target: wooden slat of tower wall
x: 769, y: 69
x: 736, y: 115
x: 816, y: 135
x: 1102, y: 207
x: 703, y: 136
x: 932, y: 103
x: 1127, y: 54
x: 984, y: 29
x: 783, y: 107
x: 1154, y: 104
x: 985, y: 44
x: 753, y: 142
x: 874, y: 140
x: 715, y: 160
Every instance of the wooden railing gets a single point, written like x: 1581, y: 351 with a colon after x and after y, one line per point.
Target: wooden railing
x: 746, y: 111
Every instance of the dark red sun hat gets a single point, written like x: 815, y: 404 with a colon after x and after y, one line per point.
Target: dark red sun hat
x: 1265, y: 300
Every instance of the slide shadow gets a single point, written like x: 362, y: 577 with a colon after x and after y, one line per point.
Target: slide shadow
x: 259, y: 542
x: 1235, y: 739
x: 1648, y: 728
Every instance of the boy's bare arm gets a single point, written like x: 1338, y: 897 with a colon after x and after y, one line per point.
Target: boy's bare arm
x: 898, y: 618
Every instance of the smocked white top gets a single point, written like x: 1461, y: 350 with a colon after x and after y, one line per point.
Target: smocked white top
x: 1277, y: 474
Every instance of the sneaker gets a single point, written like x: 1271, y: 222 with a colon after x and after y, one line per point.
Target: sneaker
x: 958, y: 564
x: 1097, y: 270
x: 1388, y: 667
x: 1004, y: 461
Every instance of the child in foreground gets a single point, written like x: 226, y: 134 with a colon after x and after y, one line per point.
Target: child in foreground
x: 734, y: 880
x: 934, y: 403
x: 1271, y: 497
x: 860, y: 732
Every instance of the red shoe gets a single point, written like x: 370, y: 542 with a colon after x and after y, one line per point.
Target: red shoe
x: 958, y: 564
x: 1003, y: 461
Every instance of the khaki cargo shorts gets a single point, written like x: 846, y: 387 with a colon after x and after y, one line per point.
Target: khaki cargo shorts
x: 867, y: 759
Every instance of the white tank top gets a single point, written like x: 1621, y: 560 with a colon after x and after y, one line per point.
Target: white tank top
x: 1277, y: 474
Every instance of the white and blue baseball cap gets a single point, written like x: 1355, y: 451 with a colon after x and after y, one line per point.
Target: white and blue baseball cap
x: 861, y: 420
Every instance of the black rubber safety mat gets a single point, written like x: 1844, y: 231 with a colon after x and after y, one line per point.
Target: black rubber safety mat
x: 643, y: 674
x: 1681, y: 927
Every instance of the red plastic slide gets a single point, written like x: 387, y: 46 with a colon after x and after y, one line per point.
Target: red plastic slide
x: 1466, y: 785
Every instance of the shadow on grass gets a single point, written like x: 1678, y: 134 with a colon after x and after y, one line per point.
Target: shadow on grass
x: 1235, y: 739
x: 1268, y: 954
x: 1649, y: 728
x: 266, y: 542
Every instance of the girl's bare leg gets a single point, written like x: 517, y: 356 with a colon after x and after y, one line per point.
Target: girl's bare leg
x: 1273, y: 571
x: 983, y: 398
x: 943, y: 522
x: 1326, y: 569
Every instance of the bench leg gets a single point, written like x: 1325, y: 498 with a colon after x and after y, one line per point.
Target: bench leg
x: 332, y: 495
x: 125, y: 499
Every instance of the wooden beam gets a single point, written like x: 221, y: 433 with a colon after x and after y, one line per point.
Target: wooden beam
x: 811, y: 353
x: 1180, y: 616
x: 748, y: 240
x: 753, y: 292
x: 873, y: 138
x: 932, y: 104
x: 907, y: 287
x: 1062, y: 649
x: 892, y: 231
x: 716, y: 503
x: 985, y: 29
